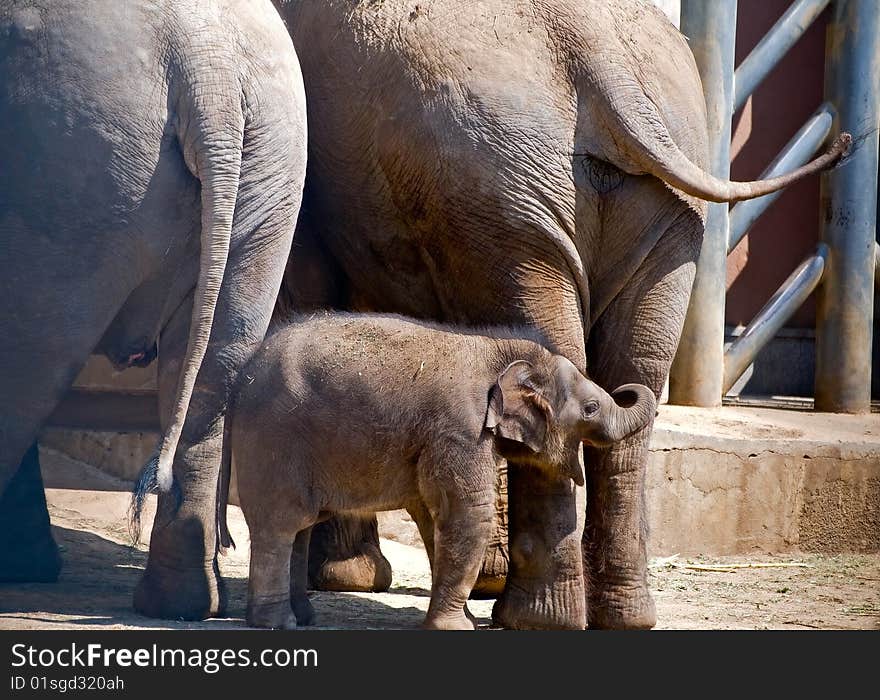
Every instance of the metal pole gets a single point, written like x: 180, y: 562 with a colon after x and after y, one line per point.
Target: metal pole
x: 797, y: 151
x: 849, y: 212
x: 775, y: 44
x: 696, y: 375
x: 766, y: 324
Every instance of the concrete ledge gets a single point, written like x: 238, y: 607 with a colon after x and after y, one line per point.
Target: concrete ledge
x: 732, y: 480
x: 740, y: 480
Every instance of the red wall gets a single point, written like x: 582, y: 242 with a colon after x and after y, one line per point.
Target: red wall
x: 788, y: 231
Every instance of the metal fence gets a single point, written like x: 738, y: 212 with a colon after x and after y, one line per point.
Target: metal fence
x: 844, y: 267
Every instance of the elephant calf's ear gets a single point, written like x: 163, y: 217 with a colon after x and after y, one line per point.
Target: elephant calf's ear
x: 517, y: 411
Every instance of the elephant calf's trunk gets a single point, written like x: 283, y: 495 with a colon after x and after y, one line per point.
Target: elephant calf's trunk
x: 634, y: 408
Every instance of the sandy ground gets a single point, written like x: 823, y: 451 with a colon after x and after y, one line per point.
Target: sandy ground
x: 101, y: 569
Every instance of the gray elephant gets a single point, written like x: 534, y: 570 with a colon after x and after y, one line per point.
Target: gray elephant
x: 352, y: 413
x: 152, y: 158
x: 537, y: 163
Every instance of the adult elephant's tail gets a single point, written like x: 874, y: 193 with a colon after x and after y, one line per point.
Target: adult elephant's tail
x: 210, y: 132
x: 632, y: 128
x: 217, y: 164
x: 654, y: 152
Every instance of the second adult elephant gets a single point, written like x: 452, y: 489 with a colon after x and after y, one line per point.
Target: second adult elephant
x: 152, y: 158
x: 542, y: 163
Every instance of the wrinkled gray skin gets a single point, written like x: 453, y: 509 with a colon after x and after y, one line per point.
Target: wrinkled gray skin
x: 359, y: 413
x: 150, y: 150
x: 525, y: 162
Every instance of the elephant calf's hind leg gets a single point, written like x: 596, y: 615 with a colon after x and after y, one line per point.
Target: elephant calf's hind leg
x: 299, y: 580
x: 269, y: 603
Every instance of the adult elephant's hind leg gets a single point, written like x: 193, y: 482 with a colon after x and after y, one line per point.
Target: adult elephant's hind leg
x: 634, y: 341
x: 344, y: 555
x: 27, y: 550
x: 182, y: 579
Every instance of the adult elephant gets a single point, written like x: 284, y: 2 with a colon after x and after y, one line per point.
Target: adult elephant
x: 153, y: 158
x: 534, y: 162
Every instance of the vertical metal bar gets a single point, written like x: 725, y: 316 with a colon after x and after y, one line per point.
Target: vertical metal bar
x: 796, y: 152
x: 788, y: 298
x: 775, y: 44
x: 849, y: 212
x: 697, y: 371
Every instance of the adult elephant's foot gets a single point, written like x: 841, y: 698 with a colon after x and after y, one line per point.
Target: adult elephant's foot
x: 532, y: 605
x: 621, y: 607
x: 545, y: 586
x: 180, y: 594
x: 28, y: 552
x: 182, y: 580
x: 344, y: 555
x: 31, y: 561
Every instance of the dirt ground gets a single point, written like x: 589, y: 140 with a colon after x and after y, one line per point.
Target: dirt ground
x: 101, y: 569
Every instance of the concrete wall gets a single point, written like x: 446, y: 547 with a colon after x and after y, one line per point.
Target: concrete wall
x: 733, y: 481
x: 720, y: 481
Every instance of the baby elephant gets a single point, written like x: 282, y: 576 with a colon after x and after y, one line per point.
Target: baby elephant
x: 351, y: 413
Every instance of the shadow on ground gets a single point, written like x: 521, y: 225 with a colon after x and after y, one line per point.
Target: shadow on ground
x: 99, y: 576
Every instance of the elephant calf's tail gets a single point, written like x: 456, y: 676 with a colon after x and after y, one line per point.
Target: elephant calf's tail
x: 223, y: 533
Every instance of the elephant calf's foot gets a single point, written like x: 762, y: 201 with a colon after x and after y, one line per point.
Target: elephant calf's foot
x: 493, y: 573
x: 368, y: 571
x: 540, y: 606
x: 449, y: 621
x: 622, y: 608
x: 304, y: 612
x: 275, y: 615
x: 180, y: 594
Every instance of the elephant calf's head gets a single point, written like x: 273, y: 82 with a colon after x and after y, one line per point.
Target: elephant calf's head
x: 541, y: 413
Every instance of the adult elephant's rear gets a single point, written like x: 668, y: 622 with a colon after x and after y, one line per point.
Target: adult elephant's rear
x: 152, y: 156
x: 534, y: 162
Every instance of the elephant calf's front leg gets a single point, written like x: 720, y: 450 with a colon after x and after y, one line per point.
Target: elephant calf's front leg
x: 460, y: 540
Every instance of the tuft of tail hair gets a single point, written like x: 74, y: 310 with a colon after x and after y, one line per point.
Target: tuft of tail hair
x: 147, y: 483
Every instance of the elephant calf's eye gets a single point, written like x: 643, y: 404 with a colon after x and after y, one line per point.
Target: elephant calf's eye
x: 591, y: 408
